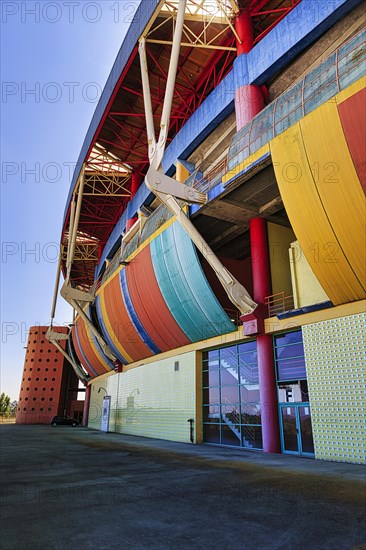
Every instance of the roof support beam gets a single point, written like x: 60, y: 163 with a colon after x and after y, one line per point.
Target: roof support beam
x: 168, y: 189
x: 192, y: 45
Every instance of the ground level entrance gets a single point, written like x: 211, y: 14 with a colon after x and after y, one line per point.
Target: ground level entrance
x: 296, y: 430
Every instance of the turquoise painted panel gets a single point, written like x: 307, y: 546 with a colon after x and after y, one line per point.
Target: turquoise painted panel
x: 185, y: 288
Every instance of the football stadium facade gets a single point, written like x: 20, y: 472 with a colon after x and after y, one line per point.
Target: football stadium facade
x: 213, y: 243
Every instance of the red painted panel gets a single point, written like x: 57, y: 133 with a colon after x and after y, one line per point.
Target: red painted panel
x: 121, y: 323
x: 150, y: 306
x: 84, y: 340
x: 352, y: 113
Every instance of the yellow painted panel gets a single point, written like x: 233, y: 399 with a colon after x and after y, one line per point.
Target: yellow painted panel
x: 279, y: 242
x: 351, y: 90
x: 338, y: 184
x: 308, y: 218
x: 111, y: 332
x: 134, y: 254
x: 306, y: 287
x: 95, y: 349
x: 246, y: 163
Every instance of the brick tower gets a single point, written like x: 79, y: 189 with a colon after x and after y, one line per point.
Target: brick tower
x: 49, y: 385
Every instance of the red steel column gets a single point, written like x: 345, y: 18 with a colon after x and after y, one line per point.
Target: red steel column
x: 267, y: 378
x: 244, y: 29
x: 248, y: 98
x: 262, y: 285
x: 268, y: 395
x: 135, y: 184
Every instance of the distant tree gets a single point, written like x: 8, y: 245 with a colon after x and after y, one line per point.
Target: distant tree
x: 13, y: 408
x: 4, y: 404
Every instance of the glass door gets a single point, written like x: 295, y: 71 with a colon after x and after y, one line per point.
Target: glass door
x: 296, y: 430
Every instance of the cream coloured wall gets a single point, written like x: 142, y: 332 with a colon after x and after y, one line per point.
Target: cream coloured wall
x: 335, y: 365
x: 95, y: 407
x: 153, y: 400
x: 279, y: 240
x: 306, y: 287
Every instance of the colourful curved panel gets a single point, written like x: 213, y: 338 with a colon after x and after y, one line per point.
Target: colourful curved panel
x: 184, y: 286
x: 109, y: 331
x: 133, y: 315
x: 91, y: 349
x: 80, y: 352
x: 321, y: 216
x: 149, y: 303
x: 337, y: 184
x: 352, y: 112
x: 108, y: 335
x: 121, y: 322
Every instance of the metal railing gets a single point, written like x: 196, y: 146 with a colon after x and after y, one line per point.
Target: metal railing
x: 212, y: 178
x: 279, y: 303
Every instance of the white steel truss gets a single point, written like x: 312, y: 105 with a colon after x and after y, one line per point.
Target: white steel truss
x: 169, y: 190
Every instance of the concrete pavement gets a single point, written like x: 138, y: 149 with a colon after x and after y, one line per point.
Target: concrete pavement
x: 70, y: 487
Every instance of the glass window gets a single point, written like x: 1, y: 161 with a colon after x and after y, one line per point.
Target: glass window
x: 211, y: 413
x: 247, y: 347
x: 288, y: 338
x: 249, y: 394
x: 211, y: 378
x: 248, y: 369
x: 230, y: 435
x: 252, y: 437
x: 289, y: 353
x: 231, y: 411
x: 290, y: 369
x: 293, y: 392
x: 229, y: 395
x: 211, y: 395
x: 211, y: 433
x: 229, y: 377
x: 250, y: 413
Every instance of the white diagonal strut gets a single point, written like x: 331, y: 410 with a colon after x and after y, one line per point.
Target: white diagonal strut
x: 167, y: 189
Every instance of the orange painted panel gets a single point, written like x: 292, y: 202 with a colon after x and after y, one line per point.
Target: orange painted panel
x: 121, y: 322
x: 150, y: 305
x: 85, y: 343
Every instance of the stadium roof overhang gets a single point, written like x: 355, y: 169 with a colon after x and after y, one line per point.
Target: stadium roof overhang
x: 116, y: 150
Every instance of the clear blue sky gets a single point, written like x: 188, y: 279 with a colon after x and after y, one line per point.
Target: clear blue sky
x: 64, y: 52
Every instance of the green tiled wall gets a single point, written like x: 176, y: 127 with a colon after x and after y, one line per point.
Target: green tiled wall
x: 153, y: 400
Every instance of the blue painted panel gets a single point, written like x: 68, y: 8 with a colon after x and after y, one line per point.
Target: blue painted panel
x: 133, y: 315
x: 105, y: 333
x: 293, y: 34
x: 185, y: 288
x: 300, y: 28
x: 87, y: 365
x: 96, y: 343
